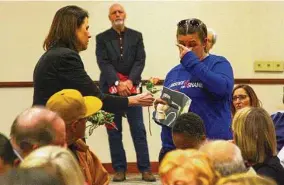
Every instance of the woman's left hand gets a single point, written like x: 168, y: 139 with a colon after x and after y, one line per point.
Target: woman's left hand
x: 183, y: 50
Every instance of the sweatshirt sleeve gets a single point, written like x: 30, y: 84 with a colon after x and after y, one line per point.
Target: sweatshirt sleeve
x: 218, y: 80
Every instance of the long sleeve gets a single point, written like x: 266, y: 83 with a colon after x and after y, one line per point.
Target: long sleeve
x: 93, y: 170
x: 104, y: 63
x: 218, y: 80
x: 72, y: 73
x: 100, y: 175
x: 139, y: 63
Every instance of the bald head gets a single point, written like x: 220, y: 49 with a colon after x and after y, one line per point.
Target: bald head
x: 226, y: 156
x: 115, y: 6
x: 117, y: 16
x: 37, y: 127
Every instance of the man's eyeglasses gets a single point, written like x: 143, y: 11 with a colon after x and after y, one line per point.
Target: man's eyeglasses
x: 240, y: 97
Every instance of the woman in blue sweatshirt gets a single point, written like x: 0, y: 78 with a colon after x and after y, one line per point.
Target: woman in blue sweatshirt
x: 207, y: 79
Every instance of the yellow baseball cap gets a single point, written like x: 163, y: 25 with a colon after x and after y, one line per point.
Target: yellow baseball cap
x: 72, y: 106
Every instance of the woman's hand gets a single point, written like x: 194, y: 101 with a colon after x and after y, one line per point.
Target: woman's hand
x: 144, y: 99
x: 183, y: 50
x: 159, y: 101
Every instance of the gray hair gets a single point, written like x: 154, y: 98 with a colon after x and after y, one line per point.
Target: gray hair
x: 214, y: 35
x: 227, y: 157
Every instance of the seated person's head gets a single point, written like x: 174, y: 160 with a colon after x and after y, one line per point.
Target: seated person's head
x: 32, y: 176
x: 226, y: 156
x: 36, y: 127
x: 244, y: 96
x: 188, y: 131
x: 190, y: 167
x: 7, y: 155
x: 56, y: 158
x: 254, y: 133
x: 74, y: 109
x: 245, y: 179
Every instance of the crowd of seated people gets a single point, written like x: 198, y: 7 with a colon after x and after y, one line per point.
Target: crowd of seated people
x: 47, y: 139
x: 250, y: 158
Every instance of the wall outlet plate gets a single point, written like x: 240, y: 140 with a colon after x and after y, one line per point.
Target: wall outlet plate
x: 268, y: 66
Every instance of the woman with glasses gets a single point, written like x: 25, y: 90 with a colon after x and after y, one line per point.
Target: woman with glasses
x: 207, y: 79
x: 244, y: 96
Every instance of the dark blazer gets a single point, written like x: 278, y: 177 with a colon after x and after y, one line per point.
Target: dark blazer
x: 109, y: 59
x: 62, y: 68
x: 271, y: 168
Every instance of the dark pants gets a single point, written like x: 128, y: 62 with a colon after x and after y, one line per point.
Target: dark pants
x: 138, y: 133
x: 163, y: 152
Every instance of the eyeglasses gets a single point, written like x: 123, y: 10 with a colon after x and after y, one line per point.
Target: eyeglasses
x: 240, y: 97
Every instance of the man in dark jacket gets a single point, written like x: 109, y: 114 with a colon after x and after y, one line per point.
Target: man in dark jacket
x: 121, y: 58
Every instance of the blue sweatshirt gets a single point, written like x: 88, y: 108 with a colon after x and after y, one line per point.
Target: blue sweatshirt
x: 278, y: 119
x: 209, y: 84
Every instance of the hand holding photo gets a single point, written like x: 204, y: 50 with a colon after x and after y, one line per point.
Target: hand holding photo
x: 177, y: 103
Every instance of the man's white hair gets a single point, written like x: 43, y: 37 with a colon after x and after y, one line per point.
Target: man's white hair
x: 214, y: 35
x: 226, y: 156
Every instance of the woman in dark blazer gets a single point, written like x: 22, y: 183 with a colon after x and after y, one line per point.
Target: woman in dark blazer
x: 61, y: 67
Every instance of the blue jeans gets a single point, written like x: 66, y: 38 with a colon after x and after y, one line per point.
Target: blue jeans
x: 138, y: 133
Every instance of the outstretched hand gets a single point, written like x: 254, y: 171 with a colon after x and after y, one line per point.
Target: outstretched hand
x: 159, y: 101
x: 144, y: 99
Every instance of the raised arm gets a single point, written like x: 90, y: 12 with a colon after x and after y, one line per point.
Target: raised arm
x: 218, y: 80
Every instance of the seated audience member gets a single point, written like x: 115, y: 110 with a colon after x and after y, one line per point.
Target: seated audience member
x: 74, y: 109
x: 36, y: 127
x: 7, y: 155
x: 188, y: 131
x: 32, y: 176
x: 278, y: 119
x: 187, y: 167
x: 211, y: 39
x: 245, y: 179
x: 226, y: 157
x: 59, y: 159
x: 254, y: 134
x: 244, y: 96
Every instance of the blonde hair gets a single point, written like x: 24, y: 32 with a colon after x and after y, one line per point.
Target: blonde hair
x: 254, y: 133
x: 191, y: 160
x: 245, y: 179
x: 59, y: 159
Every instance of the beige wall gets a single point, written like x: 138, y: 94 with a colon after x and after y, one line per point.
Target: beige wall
x: 247, y: 31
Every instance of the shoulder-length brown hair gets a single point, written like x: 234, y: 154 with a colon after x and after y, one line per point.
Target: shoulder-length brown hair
x: 254, y: 101
x: 63, y: 28
x: 254, y: 133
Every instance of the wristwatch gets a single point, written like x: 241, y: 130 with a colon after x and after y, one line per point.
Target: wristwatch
x: 116, y: 83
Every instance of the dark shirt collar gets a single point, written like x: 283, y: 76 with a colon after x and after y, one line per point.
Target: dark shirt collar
x: 122, y: 33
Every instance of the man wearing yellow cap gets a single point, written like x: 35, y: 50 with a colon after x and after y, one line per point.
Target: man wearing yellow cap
x: 74, y: 109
